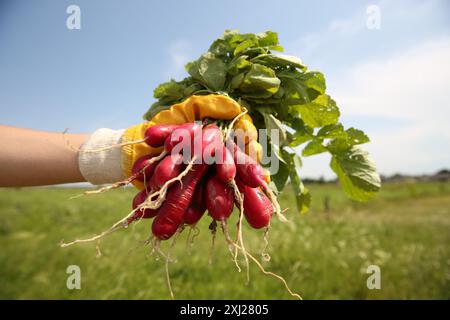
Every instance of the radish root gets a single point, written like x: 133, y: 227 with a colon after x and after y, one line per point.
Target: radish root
x: 273, y: 199
x: 264, y: 254
x: 239, y: 237
x: 228, y: 240
x: 160, y: 194
x: 269, y: 273
x: 122, y: 223
x: 230, y: 127
x: 118, y: 145
x: 213, y: 228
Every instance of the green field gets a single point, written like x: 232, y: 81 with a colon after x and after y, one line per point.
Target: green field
x: 323, y: 255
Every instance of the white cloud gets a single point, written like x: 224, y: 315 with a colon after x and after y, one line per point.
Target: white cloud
x: 412, y: 86
x: 407, y: 83
x: 180, y: 52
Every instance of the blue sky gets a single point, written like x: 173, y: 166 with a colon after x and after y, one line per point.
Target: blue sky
x: 392, y: 82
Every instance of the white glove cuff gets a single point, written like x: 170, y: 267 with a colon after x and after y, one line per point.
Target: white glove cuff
x: 104, y: 166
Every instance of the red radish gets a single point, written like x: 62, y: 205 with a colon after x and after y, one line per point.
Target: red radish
x: 197, y: 208
x: 219, y: 199
x: 225, y: 167
x: 142, y: 170
x: 141, y: 213
x: 210, y: 143
x: 183, y: 132
x: 257, y: 207
x: 156, y: 135
x: 178, y: 199
x: 168, y: 168
x: 248, y: 170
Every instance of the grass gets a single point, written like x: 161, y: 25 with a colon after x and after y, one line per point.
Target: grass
x: 323, y: 255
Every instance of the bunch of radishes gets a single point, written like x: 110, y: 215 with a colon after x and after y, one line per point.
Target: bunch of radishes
x: 200, y: 168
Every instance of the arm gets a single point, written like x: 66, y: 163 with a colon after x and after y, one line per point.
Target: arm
x: 31, y: 158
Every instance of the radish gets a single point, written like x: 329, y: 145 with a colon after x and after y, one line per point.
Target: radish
x: 179, y: 196
x: 197, y: 208
x: 141, y: 213
x: 257, y: 207
x: 219, y: 199
x: 143, y: 169
x: 167, y: 168
x: 248, y: 170
x: 210, y: 143
x: 178, y: 199
x: 253, y: 175
x: 183, y: 132
x: 156, y: 135
x: 225, y: 167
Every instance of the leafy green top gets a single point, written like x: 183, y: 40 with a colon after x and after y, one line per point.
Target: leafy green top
x: 279, y: 92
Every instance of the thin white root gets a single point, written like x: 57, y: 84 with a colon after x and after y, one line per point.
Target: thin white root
x: 273, y: 199
x: 230, y: 127
x: 160, y: 195
x: 188, y: 239
x: 269, y: 273
x: 119, y: 145
x: 239, y: 237
x: 194, y: 235
x: 213, y: 228
x: 68, y: 143
x: 122, y: 223
x: 167, y: 258
x: 140, y: 245
x: 94, y: 238
x: 97, y: 247
x: 126, y: 181
x: 230, y: 247
x: 264, y: 254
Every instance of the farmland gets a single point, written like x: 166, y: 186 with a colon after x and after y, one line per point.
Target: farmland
x: 323, y: 255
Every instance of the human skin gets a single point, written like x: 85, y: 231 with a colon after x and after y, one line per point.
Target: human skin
x: 34, y: 158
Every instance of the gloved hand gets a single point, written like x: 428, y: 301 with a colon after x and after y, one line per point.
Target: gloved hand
x: 115, y: 164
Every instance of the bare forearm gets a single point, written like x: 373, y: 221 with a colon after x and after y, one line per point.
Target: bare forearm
x: 31, y: 158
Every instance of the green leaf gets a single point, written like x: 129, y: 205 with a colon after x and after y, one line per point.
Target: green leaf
x: 297, y: 161
x: 238, y: 64
x: 209, y: 70
x: 260, y: 79
x: 302, y: 133
x: 346, y: 140
x: 295, y: 91
x: 273, y: 123
x: 281, y: 176
x: 276, y: 48
x: 243, y: 45
x: 332, y: 131
x: 169, y: 90
x: 357, y: 173
x: 192, y: 89
x: 279, y: 60
x: 315, y: 80
x: 154, y: 109
x: 236, y: 81
x: 267, y: 39
x: 356, y: 136
x: 313, y: 147
x: 302, y: 195
x: 320, y: 112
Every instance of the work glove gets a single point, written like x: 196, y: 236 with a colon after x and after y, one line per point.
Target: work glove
x: 115, y: 164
